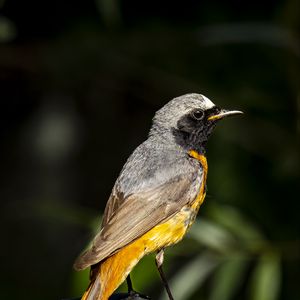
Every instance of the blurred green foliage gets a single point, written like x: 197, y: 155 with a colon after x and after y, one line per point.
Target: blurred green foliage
x: 79, y: 84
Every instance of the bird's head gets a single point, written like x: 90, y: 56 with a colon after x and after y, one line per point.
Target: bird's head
x: 189, y: 119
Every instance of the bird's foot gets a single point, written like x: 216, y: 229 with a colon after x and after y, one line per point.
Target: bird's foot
x: 131, y: 295
x: 135, y: 295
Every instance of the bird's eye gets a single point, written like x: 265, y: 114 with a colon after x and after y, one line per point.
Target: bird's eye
x: 198, y: 114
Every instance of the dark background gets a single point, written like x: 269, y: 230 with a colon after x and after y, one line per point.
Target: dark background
x: 79, y: 84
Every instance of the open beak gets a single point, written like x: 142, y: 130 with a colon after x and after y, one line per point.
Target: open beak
x: 224, y: 113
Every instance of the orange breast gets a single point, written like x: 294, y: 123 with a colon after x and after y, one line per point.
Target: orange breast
x: 201, y: 195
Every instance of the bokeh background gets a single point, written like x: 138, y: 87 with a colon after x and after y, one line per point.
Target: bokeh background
x: 79, y: 84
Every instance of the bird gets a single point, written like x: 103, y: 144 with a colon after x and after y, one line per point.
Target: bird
x: 156, y: 197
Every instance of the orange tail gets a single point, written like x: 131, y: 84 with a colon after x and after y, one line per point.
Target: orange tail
x: 113, y: 271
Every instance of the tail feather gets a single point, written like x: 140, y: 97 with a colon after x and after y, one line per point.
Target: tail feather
x: 107, y: 277
x: 94, y: 290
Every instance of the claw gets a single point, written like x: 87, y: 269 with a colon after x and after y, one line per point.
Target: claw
x: 132, y: 295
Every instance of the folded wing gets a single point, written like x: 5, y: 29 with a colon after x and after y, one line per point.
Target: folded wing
x: 127, y: 219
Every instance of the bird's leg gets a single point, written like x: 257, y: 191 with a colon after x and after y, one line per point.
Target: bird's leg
x: 159, y: 259
x: 132, y: 292
x: 129, y: 284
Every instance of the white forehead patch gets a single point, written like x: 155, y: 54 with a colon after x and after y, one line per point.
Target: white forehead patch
x: 208, y: 104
